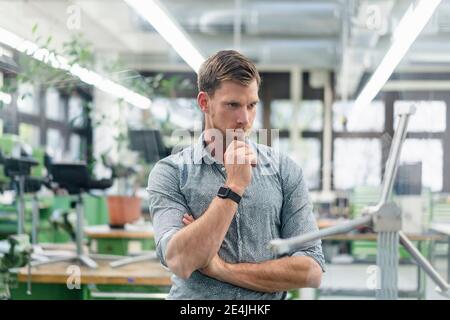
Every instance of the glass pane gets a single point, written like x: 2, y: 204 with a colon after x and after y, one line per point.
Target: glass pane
x: 430, y: 154
x: 76, y: 111
x: 29, y: 134
x: 55, y: 144
x: 309, y: 160
x: 75, y: 147
x: 54, y: 106
x: 259, y: 120
x: 429, y: 116
x: 348, y: 117
x: 25, y: 100
x: 281, y: 114
x: 5, y: 98
x: 307, y: 156
x: 357, y: 162
x: 180, y: 113
x: 1, y: 126
x: 309, y: 115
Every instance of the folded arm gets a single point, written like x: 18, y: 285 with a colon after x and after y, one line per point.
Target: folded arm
x: 270, y: 276
x: 194, y: 246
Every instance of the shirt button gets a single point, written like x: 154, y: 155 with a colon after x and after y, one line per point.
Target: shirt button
x: 223, y: 169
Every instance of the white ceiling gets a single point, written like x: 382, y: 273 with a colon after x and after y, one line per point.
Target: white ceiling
x: 314, y: 34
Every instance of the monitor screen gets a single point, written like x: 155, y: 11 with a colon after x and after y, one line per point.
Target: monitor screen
x: 149, y: 144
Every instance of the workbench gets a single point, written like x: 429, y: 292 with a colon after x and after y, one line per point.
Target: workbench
x: 132, y: 239
x: 444, y: 229
x: 63, y: 280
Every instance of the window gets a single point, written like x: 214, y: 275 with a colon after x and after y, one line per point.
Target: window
x: 76, y: 111
x: 348, y: 117
x: 307, y: 156
x: 430, y: 153
x: 357, y: 162
x: 55, y: 144
x: 5, y: 98
x: 259, y: 119
x: 182, y: 113
x: 309, y: 116
x: 75, y: 150
x: 29, y: 134
x: 430, y: 115
x: 54, y: 107
x: 26, y: 99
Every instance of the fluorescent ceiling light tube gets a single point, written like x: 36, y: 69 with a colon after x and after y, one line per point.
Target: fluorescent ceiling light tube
x: 410, y: 26
x: 58, y: 62
x: 153, y: 12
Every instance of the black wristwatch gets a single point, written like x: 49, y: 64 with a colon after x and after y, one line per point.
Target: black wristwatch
x: 227, y: 193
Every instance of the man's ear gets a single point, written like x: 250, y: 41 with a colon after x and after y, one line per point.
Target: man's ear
x: 203, y: 101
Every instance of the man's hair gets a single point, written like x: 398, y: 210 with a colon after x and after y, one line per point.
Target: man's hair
x: 226, y: 65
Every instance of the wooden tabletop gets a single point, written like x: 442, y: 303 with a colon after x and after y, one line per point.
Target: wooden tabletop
x: 129, y: 232
x: 149, y: 273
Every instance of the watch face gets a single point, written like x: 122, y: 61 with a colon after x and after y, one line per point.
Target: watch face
x: 223, y: 192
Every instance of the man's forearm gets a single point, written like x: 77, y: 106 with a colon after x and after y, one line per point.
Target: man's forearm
x: 195, y: 245
x: 274, y: 275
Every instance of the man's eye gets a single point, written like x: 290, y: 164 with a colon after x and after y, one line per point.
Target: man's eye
x: 233, y: 105
x: 252, y: 106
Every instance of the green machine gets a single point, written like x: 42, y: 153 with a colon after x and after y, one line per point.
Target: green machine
x: 51, y: 214
x: 23, y: 205
x: 9, y: 145
x: 15, y: 252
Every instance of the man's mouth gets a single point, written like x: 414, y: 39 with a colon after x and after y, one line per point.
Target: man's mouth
x: 239, y: 134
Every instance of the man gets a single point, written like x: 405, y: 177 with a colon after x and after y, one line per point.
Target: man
x: 216, y: 205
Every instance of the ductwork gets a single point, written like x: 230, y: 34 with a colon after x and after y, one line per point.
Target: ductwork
x: 272, y: 19
x: 7, y: 63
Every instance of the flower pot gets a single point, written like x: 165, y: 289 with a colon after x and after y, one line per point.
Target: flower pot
x: 123, y: 210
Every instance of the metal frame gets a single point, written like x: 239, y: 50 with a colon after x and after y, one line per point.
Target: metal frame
x: 79, y: 256
x: 385, y: 218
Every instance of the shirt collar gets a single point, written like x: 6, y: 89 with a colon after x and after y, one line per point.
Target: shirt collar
x: 201, y: 152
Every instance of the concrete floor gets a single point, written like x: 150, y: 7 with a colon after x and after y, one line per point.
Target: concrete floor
x: 349, y: 276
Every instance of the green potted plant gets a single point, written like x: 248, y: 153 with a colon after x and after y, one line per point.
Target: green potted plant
x: 123, y: 205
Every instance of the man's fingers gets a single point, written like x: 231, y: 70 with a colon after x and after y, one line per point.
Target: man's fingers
x: 237, y: 144
x: 240, y: 152
x: 253, y: 160
x: 244, y: 158
x: 187, y: 219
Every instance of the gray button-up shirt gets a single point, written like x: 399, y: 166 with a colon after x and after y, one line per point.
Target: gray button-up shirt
x: 276, y: 204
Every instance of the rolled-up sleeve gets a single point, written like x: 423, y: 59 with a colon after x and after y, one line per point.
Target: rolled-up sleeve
x: 166, y: 203
x: 297, y: 215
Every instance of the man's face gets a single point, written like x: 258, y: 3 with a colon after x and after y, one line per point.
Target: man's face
x: 233, y: 106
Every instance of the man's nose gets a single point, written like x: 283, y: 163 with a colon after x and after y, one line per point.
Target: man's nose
x: 243, y: 117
